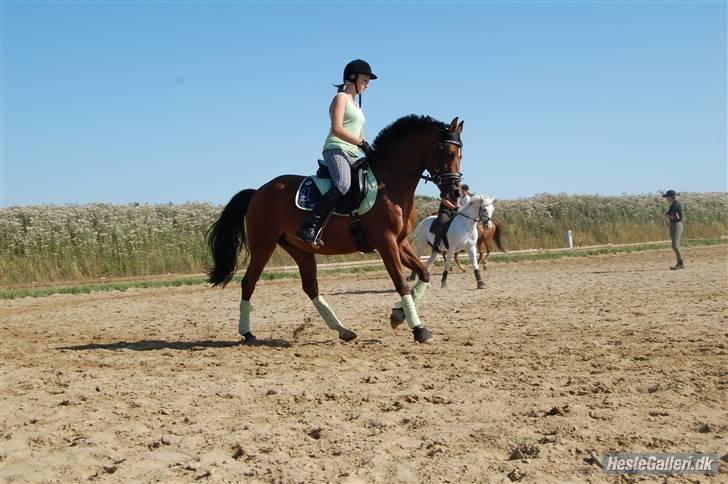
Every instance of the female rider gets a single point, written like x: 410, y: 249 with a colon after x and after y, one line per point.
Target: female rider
x: 343, y: 145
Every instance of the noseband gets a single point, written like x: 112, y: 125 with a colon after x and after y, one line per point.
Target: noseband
x: 445, y: 181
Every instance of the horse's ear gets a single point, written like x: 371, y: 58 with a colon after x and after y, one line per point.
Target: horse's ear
x: 453, y: 125
x: 460, y: 127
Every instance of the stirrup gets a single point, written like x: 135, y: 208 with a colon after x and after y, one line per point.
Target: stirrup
x: 315, y: 241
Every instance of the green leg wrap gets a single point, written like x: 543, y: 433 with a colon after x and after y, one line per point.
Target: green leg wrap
x: 327, y: 313
x: 244, y: 325
x: 418, y: 294
x: 410, y: 312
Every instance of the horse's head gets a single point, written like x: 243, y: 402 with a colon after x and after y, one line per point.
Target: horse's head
x: 414, y: 144
x: 444, y: 165
x: 487, y: 207
x: 479, y: 208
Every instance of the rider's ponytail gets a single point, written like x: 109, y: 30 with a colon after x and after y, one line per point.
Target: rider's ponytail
x: 339, y: 87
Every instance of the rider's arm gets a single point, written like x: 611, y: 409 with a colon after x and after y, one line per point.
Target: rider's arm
x: 447, y: 203
x: 338, y: 107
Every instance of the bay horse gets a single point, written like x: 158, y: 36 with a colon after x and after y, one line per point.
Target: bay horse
x: 258, y: 220
x: 487, y: 232
x: 462, y: 235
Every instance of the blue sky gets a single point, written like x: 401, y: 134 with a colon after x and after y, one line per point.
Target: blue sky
x: 188, y: 101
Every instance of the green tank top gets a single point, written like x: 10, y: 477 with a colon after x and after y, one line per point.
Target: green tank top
x: 353, y: 124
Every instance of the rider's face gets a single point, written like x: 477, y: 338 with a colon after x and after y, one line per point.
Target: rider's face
x: 362, y: 81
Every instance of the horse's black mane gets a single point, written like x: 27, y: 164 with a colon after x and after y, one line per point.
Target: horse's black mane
x: 387, y: 137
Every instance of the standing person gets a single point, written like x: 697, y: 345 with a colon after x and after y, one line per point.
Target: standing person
x: 675, y: 215
x: 343, y: 145
x: 445, y: 212
x: 465, y: 197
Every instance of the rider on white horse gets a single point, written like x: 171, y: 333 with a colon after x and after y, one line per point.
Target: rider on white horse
x: 461, y: 235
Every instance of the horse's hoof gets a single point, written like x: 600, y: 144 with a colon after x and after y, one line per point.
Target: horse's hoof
x: 443, y: 285
x: 346, y: 335
x: 412, y: 277
x: 481, y: 285
x: 422, y: 335
x: 249, y: 339
x: 396, y: 318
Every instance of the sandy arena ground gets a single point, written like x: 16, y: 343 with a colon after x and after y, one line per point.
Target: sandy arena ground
x: 560, y: 360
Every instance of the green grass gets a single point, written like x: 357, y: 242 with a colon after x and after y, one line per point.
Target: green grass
x: 375, y: 267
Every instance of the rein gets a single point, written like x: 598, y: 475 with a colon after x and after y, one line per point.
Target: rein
x: 482, y: 215
x: 467, y: 217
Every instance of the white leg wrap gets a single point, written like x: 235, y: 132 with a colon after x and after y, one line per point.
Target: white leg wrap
x: 245, y: 310
x: 410, y: 312
x: 418, y: 294
x: 327, y: 314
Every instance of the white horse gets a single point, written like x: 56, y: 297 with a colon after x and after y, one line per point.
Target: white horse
x: 462, y: 235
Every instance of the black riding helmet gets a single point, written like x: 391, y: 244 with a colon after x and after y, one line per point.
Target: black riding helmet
x: 355, y: 67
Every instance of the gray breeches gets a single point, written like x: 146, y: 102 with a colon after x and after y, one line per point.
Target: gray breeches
x: 339, y: 164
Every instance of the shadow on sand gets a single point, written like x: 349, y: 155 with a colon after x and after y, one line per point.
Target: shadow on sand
x: 151, y: 345
x: 366, y: 291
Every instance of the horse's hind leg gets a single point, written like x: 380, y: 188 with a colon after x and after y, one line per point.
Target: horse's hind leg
x: 259, y: 256
x: 306, y: 262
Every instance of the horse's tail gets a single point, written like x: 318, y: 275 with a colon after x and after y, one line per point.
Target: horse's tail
x: 497, y: 237
x: 226, y: 238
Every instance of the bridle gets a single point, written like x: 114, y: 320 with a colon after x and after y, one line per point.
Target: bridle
x: 445, y: 181
x: 482, y: 214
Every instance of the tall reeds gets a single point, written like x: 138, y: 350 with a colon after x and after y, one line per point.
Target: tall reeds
x: 60, y: 243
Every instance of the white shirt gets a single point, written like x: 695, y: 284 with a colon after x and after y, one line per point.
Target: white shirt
x: 464, y: 200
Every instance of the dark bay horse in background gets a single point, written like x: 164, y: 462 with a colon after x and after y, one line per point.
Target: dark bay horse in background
x: 485, y: 237
x: 259, y: 220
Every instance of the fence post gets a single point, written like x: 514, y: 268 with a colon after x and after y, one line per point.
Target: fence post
x: 570, y: 240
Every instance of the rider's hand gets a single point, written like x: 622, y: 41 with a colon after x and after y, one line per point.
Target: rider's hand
x: 364, y: 146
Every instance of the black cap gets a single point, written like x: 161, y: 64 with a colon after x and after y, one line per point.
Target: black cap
x: 355, y: 67
x: 670, y: 193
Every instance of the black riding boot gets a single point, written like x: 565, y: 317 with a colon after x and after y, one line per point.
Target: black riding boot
x: 436, y: 243
x: 311, y: 226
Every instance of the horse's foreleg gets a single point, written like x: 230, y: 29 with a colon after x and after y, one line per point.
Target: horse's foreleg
x: 411, y: 260
x: 307, y: 269
x: 446, y: 269
x: 476, y: 268
x: 390, y: 252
